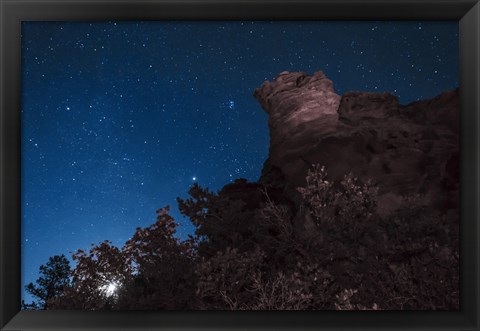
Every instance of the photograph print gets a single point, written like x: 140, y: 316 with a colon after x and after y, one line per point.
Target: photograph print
x: 240, y: 165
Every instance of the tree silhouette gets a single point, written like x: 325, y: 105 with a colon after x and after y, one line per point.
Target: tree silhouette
x: 253, y: 249
x: 162, y: 268
x: 96, y: 280
x: 55, y: 277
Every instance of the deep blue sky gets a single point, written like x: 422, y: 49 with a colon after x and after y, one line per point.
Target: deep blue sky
x: 120, y: 118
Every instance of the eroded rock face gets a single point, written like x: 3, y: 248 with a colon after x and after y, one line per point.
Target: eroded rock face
x: 296, y: 103
x: 405, y: 149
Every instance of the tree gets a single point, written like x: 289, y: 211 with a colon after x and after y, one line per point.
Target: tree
x: 55, y: 277
x: 225, y: 219
x: 162, y: 266
x: 153, y: 270
x: 97, y: 279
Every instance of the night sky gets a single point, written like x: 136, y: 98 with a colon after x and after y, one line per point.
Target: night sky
x: 120, y: 118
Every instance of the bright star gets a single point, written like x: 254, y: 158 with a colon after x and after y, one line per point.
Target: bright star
x: 194, y: 178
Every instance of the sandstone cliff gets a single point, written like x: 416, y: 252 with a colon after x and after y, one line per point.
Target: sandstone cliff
x: 405, y: 149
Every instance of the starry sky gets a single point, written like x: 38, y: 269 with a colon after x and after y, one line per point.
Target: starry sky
x: 120, y: 118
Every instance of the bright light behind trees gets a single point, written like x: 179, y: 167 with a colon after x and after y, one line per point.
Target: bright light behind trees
x: 110, y: 288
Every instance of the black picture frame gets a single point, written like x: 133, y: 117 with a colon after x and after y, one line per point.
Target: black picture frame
x: 13, y: 12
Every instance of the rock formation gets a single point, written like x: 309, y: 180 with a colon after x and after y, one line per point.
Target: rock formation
x: 339, y: 237
x: 404, y: 149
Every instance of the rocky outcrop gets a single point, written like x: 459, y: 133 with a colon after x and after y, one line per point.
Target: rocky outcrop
x: 405, y: 149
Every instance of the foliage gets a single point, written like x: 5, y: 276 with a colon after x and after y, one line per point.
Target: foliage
x: 318, y: 193
x: 255, y: 250
x: 55, y: 277
x: 408, y: 260
x: 351, y: 201
x: 226, y: 275
x: 162, y: 267
x: 101, y: 270
x: 220, y: 221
